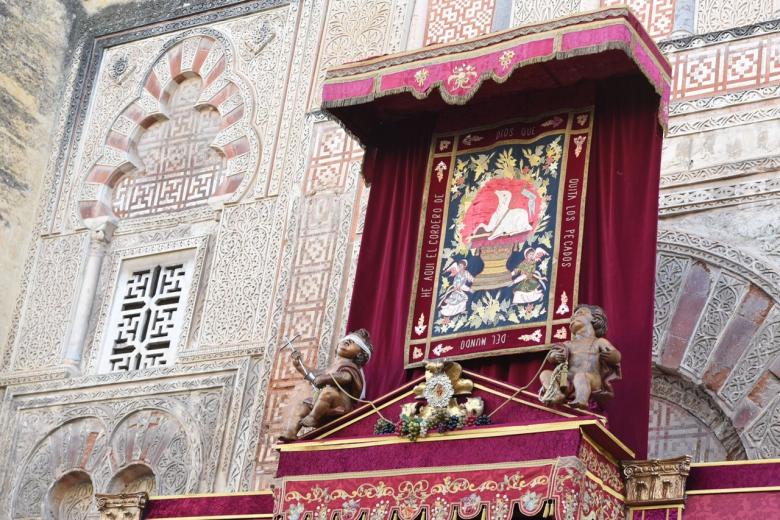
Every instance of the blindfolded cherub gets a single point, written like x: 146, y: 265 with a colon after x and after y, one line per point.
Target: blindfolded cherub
x: 335, y: 387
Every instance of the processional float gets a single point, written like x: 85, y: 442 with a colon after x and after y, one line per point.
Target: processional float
x: 513, y: 208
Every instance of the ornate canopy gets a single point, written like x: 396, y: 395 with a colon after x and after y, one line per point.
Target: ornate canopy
x: 590, y: 46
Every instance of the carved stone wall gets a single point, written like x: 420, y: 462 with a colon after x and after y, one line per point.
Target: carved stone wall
x: 275, y: 215
x: 175, y: 422
x: 716, y: 331
x: 36, y: 39
x: 43, y: 315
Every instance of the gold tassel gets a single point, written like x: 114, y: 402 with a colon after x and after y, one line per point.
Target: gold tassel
x: 564, y: 379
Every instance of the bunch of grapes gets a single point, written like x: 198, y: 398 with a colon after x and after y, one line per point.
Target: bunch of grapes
x: 441, y: 415
x: 455, y: 422
x: 471, y: 420
x: 400, y: 427
x: 384, y: 427
x: 413, y: 429
x: 482, y: 420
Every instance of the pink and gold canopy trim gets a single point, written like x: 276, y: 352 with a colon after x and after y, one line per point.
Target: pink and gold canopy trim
x: 458, y: 70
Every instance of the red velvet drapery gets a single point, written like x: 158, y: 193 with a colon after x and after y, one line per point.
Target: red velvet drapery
x: 618, y: 257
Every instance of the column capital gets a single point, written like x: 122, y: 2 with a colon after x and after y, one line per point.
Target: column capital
x: 101, y: 228
x: 656, y: 482
x: 124, y: 506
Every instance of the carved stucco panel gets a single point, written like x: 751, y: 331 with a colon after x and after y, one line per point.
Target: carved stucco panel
x: 262, y: 61
x: 177, y: 426
x: 76, y: 445
x: 48, y: 306
x: 242, y: 272
x: 112, y: 90
x: 526, y: 13
x: 264, y: 45
x: 763, y: 436
x: 716, y: 15
x: 670, y: 272
x: 355, y: 30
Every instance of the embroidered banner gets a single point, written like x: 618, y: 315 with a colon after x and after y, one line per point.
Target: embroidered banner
x: 492, y: 493
x: 500, y: 238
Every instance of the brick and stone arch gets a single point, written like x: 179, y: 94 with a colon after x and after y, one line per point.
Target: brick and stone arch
x: 156, y: 440
x: 133, y: 478
x: 717, y: 326
x: 205, y: 54
x: 59, y: 469
x: 72, y: 497
x: 685, y: 420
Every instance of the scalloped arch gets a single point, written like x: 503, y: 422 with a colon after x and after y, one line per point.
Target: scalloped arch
x: 76, y: 445
x: 204, y: 53
x: 717, y: 326
x: 158, y: 439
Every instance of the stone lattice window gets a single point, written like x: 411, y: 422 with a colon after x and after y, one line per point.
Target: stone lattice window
x: 147, y: 312
x: 181, y: 170
x: 674, y: 432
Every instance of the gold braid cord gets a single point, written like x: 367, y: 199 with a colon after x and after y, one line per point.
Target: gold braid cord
x: 361, y: 400
x: 536, y: 376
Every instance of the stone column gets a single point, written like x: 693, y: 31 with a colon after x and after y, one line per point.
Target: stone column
x: 125, y: 506
x: 100, y: 236
x: 684, y: 18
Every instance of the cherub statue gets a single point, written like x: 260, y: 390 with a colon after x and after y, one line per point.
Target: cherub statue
x: 335, y: 387
x: 587, y: 363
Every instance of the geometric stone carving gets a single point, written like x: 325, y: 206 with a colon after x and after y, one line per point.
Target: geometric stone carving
x: 657, y: 15
x: 321, y: 243
x: 656, y: 482
x: 729, y: 356
x: 453, y: 20
x: 125, y: 506
x: 668, y: 287
x: 718, y: 196
x: 146, y: 322
x: 722, y: 171
x: 747, y: 267
x: 206, y: 54
x: 116, y: 324
x: 674, y: 431
x: 180, y: 169
x: 686, y: 420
